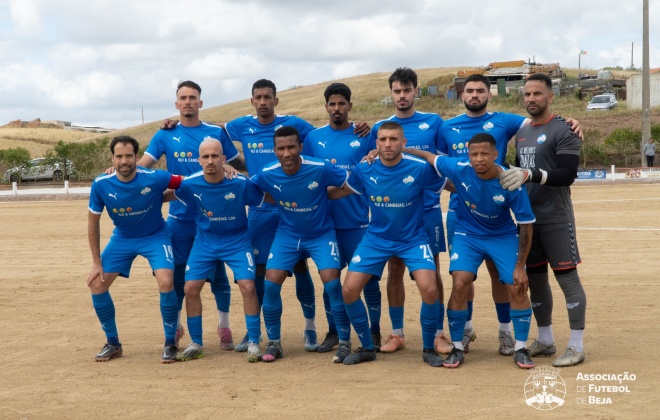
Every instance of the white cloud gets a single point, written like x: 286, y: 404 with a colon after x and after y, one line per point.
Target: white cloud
x: 101, y: 64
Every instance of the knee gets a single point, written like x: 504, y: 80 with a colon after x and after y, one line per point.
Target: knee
x: 349, y: 293
x: 191, y: 289
x: 247, y: 287
x: 396, y: 268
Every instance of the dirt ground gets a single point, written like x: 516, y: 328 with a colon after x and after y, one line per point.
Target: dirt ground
x: 51, y: 335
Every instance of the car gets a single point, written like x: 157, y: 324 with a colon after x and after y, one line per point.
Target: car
x: 603, y: 102
x: 38, y: 169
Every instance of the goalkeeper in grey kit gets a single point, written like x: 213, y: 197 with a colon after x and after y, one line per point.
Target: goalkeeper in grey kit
x: 548, y: 153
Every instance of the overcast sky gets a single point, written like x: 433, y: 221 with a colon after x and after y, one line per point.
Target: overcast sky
x: 100, y: 62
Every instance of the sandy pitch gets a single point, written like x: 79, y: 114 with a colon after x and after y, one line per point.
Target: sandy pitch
x: 51, y: 335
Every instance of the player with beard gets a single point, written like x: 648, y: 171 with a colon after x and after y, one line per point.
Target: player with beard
x: 180, y: 146
x: 338, y: 143
x: 456, y: 133
x: 548, y: 155
x: 422, y: 131
x: 133, y: 198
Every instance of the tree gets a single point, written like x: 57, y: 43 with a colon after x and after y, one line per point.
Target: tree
x: 17, y: 156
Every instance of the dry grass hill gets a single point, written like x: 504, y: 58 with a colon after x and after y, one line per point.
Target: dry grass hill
x: 307, y: 102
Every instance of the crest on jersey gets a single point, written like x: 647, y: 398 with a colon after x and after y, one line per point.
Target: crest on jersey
x: 408, y: 180
x: 424, y: 126
x: 542, y: 138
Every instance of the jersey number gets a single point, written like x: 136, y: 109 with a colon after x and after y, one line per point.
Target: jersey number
x: 168, y: 252
x: 426, y: 251
x: 333, y: 249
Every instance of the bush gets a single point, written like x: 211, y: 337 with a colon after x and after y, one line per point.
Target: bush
x: 623, y: 146
x: 593, y: 151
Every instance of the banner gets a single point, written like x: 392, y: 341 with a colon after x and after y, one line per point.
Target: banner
x: 592, y: 174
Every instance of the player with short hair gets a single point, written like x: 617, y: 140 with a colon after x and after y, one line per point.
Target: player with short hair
x: 338, y: 143
x: 180, y: 146
x: 298, y: 184
x: 221, y: 237
x: 456, y: 133
x: 548, y: 155
x: 133, y: 198
x: 422, y: 131
x: 255, y: 133
x: 395, y: 184
x: 485, y: 229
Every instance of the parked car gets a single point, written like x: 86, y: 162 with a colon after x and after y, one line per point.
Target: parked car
x: 38, y: 169
x: 603, y: 102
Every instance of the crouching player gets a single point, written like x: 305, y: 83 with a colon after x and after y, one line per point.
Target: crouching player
x: 395, y: 184
x: 485, y: 229
x: 222, y: 235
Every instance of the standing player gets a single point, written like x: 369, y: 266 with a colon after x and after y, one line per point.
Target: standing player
x: 338, y: 143
x: 298, y: 184
x: 456, y: 133
x: 485, y: 229
x: 422, y: 131
x: 180, y: 146
x: 395, y: 184
x: 255, y: 133
x: 548, y: 154
x: 133, y: 198
x: 221, y: 236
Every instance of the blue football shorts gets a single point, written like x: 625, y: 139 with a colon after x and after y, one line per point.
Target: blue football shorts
x: 286, y: 251
x: 118, y: 255
x: 348, y: 240
x: 435, y: 231
x: 468, y: 252
x: 183, y: 236
x: 262, y: 226
x: 373, y: 253
x: 208, y: 250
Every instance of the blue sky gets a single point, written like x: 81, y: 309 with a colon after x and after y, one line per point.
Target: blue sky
x: 101, y: 64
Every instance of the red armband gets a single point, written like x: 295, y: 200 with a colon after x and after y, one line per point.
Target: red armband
x: 175, y: 182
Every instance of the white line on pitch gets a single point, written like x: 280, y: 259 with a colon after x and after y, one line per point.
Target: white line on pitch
x: 614, y: 201
x: 622, y: 229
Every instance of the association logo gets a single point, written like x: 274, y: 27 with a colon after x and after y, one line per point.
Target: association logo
x: 356, y: 259
x: 408, y: 180
x: 488, y: 126
x: 498, y: 198
x: 424, y: 126
x: 230, y: 196
x: 314, y: 185
x: 355, y: 144
x: 542, y: 138
x: 545, y: 389
x: 454, y: 256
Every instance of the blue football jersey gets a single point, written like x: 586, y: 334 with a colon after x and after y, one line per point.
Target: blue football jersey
x: 484, y: 207
x: 456, y: 133
x: 422, y: 131
x: 134, y: 206
x: 344, y: 149
x: 396, y: 196
x: 180, y: 146
x: 257, y: 139
x: 220, y: 207
x: 302, y: 198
